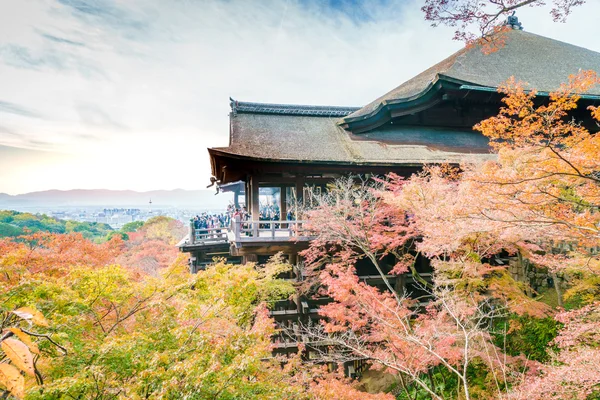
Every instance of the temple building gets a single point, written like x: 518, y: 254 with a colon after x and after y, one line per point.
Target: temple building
x: 277, y: 152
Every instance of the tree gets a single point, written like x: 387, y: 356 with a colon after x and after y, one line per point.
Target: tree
x: 132, y: 226
x: 359, y: 221
x: 124, y: 236
x: 543, y: 186
x: 352, y: 222
x: 117, y: 332
x: 486, y: 17
x: 19, y: 349
x: 9, y: 230
x: 151, y: 247
x: 14, y: 223
x: 537, y: 199
x: 163, y: 228
x: 573, y: 373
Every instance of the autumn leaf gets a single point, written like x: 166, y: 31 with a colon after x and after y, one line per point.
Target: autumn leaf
x: 12, y: 380
x: 19, y: 354
x: 25, y: 338
x: 30, y: 313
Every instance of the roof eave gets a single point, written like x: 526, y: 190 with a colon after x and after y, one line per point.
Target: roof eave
x: 538, y: 93
x: 389, y: 109
x: 221, y: 152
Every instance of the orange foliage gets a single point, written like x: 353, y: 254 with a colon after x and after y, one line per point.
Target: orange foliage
x: 152, y: 247
x: 342, y: 389
x: 53, y: 254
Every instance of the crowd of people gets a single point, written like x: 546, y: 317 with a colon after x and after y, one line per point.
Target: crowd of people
x: 268, y: 212
x: 233, y: 212
x: 210, y: 221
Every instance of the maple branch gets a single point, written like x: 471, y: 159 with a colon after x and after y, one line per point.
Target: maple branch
x: 47, y: 337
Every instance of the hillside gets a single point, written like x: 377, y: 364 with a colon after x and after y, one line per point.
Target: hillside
x: 14, y: 223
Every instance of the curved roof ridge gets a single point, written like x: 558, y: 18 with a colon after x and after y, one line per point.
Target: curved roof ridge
x: 290, y: 109
x: 421, y: 83
x: 542, y: 62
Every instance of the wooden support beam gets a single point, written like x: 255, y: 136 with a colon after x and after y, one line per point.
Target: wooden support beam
x: 299, y: 194
x: 255, y: 203
x: 293, y: 258
x: 248, y: 193
x: 400, y: 285
x: 274, y: 181
x: 269, y: 249
x: 192, y: 233
x: 283, y: 203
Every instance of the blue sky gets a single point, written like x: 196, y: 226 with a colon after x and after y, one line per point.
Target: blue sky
x: 127, y: 94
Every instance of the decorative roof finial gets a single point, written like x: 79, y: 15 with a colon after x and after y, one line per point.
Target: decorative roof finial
x: 233, y: 104
x: 513, y: 22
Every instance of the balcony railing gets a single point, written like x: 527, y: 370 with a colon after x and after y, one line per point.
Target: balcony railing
x: 208, y: 235
x: 250, y: 231
x: 267, y: 231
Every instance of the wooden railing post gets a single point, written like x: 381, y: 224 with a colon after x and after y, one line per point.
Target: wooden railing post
x: 192, y: 233
x: 272, y: 229
x: 237, y: 227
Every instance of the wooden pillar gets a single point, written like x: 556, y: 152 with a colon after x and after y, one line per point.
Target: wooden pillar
x: 250, y: 258
x: 283, y: 204
x: 237, y: 228
x: 400, y: 285
x: 255, y: 204
x: 247, y: 193
x: 192, y: 238
x: 200, y: 258
x: 299, y: 194
x: 236, y: 199
x: 193, y: 263
x: 292, y: 259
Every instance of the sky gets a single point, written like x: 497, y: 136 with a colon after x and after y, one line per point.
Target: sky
x: 128, y: 94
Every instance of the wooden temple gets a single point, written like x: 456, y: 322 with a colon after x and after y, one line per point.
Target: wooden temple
x: 289, y: 149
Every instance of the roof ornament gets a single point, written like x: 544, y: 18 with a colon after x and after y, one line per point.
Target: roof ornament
x: 513, y: 22
x: 233, y: 104
x: 214, y: 180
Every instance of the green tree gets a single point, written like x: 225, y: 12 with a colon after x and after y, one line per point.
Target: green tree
x: 132, y: 226
x: 7, y: 230
x: 123, y: 235
x: 15, y: 220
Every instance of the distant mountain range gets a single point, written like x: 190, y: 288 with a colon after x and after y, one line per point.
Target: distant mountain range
x: 197, y: 199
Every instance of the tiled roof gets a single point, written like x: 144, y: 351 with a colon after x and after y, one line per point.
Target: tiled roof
x: 290, y: 109
x: 313, y: 133
x: 541, y: 62
x: 316, y: 139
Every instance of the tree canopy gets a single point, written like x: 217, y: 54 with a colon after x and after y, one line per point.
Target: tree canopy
x: 14, y: 223
x: 537, y: 201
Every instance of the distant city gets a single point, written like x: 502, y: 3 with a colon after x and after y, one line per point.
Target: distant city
x: 117, y: 217
x: 116, y: 208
